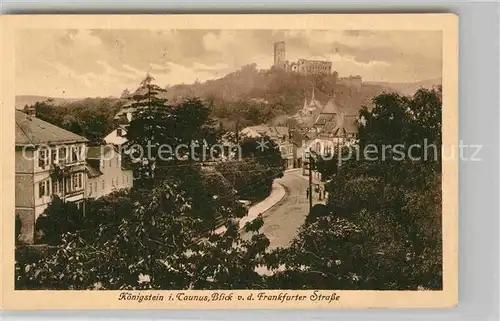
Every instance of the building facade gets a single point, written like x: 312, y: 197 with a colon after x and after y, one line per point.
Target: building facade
x: 48, y: 161
x: 314, y: 67
x: 333, y: 127
x: 118, y: 136
x: 301, y: 66
x: 106, y: 172
x: 280, y: 55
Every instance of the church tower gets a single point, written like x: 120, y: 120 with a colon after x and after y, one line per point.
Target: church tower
x: 279, y: 55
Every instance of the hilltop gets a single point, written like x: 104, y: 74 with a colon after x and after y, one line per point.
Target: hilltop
x: 250, y: 96
x: 410, y: 88
x: 23, y: 100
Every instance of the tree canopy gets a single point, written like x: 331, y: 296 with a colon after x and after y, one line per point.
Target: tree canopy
x: 382, y: 228
x: 92, y: 118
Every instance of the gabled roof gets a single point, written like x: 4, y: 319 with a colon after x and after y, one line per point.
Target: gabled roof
x: 271, y: 131
x: 92, y: 171
x: 330, y: 107
x: 340, y: 125
x: 33, y: 131
x: 323, y: 119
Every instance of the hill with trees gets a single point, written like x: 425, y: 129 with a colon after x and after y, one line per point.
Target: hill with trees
x: 250, y: 96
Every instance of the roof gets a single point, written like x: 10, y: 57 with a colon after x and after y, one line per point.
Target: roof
x: 330, y: 107
x: 323, y: 119
x: 271, y: 131
x: 34, y: 131
x: 92, y: 171
x: 340, y: 125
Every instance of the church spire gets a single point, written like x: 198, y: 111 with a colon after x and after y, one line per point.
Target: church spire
x: 305, y: 104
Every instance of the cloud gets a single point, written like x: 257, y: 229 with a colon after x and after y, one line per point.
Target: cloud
x: 219, y: 41
x: 104, y: 62
x: 84, y: 37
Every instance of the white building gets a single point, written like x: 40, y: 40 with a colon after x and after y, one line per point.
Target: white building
x: 49, y: 161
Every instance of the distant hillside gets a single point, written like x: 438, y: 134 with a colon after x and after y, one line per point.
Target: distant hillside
x: 409, y: 88
x: 23, y: 100
x: 281, y: 90
x: 250, y: 96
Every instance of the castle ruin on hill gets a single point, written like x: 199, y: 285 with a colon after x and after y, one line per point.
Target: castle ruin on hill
x: 310, y: 67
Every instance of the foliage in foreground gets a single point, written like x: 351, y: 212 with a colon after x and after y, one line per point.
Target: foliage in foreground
x: 154, y: 245
x: 381, y: 228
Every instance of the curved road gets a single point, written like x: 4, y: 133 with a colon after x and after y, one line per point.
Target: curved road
x: 282, y: 221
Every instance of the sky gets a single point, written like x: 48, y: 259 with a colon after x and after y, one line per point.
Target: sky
x: 100, y: 63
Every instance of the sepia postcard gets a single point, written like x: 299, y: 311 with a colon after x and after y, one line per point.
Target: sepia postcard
x: 281, y: 161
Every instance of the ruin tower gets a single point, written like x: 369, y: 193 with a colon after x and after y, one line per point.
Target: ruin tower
x: 279, y: 55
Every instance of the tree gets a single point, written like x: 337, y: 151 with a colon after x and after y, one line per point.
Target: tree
x: 125, y: 94
x: 92, y: 118
x: 18, y: 227
x: 384, y: 230
x: 148, y: 129
x: 58, y: 219
x: 264, y: 151
x: 155, y: 245
x: 251, y: 180
x: 317, y: 211
x: 163, y: 134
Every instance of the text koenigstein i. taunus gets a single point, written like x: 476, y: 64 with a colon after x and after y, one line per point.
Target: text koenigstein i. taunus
x: 261, y: 296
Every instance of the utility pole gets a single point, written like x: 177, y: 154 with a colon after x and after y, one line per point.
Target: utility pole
x: 238, y: 131
x: 310, y: 182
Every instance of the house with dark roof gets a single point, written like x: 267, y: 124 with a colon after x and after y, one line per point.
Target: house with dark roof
x: 335, y: 125
x: 49, y: 161
x: 106, y: 172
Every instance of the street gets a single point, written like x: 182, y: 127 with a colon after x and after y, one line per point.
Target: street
x: 281, y: 223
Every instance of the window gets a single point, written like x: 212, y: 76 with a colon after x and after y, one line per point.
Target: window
x: 53, y: 155
x: 55, y: 187
x: 62, y: 153
x: 74, y: 154
x: 119, y: 132
x: 103, y: 184
x: 43, y: 188
x: 75, y: 182
x: 95, y: 187
x: 43, y: 158
x: 113, y: 182
x: 90, y: 188
x: 109, y: 163
x: 67, y: 185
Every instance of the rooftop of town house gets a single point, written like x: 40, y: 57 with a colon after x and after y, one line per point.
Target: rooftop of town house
x: 30, y: 130
x: 340, y: 125
x: 93, y: 171
x: 271, y: 131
